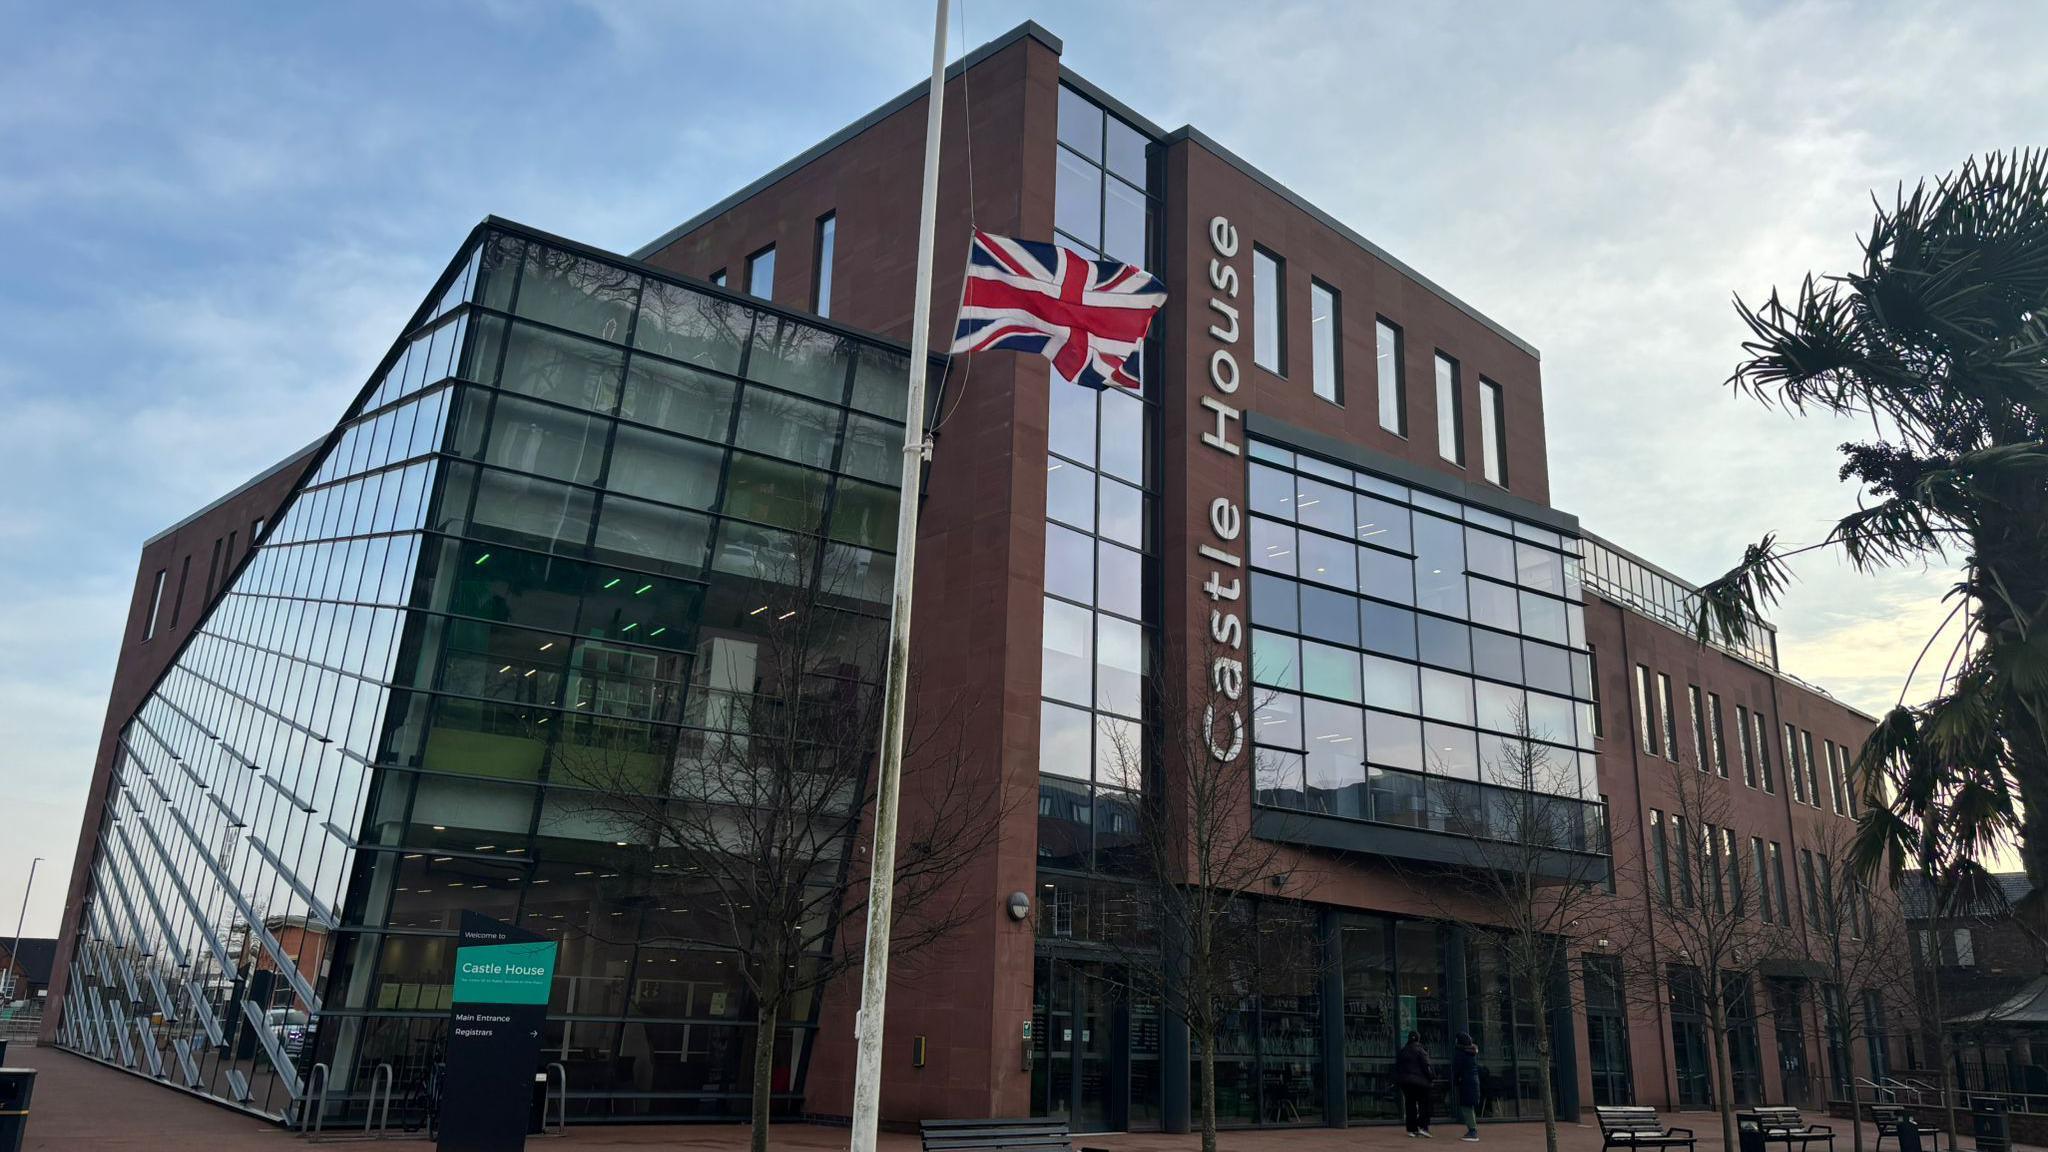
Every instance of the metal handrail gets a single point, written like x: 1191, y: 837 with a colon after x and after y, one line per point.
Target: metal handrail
x: 390, y: 1077
x: 555, y: 1068
x: 309, y: 1109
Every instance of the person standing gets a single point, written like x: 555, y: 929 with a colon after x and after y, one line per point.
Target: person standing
x: 1465, y: 1081
x: 1412, y: 1076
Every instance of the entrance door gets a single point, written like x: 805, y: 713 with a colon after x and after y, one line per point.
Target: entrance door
x: 1794, y: 1080
x: 1086, y: 1063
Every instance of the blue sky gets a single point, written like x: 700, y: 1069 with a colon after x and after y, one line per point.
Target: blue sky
x: 213, y: 219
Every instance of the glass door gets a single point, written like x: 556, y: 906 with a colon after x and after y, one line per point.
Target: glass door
x: 1095, y: 1060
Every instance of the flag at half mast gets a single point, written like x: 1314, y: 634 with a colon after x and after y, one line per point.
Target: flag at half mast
x: 1086, y: 316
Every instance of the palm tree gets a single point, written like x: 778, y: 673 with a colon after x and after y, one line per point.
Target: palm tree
x: 1941, y: 343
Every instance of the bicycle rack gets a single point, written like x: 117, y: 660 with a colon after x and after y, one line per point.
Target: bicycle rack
x: 389, y: 1077
x: 561, y: 1102
x: 314, y: 1109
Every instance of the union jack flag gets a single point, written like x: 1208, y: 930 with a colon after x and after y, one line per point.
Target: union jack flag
x: 1086, y: 316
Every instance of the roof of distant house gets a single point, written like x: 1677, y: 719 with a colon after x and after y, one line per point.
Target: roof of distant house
x: 35, y: 959
x: 1994, y: 898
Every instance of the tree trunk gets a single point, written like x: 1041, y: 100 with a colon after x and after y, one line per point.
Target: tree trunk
x: 1208, y: 1088
x: 1724, y: 1085
x: 1543, y: 1076
x: 1856, y: 1119
x: 764, y: 1072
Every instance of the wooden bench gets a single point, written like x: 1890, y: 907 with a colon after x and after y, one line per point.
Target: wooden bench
x: 1637, y: 1127
x: 1888, y: 1117
x: 1786, y: 1126
x: 1033, y: 1134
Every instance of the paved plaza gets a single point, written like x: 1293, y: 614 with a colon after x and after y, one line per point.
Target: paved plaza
x: 81, y: 1105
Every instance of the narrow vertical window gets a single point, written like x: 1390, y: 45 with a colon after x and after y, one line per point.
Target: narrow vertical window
x: 1812, y: 769
x: 1848, y: 780
x: 1323, y: 347
x: 761, y: 273
x: 1792, y: 772
x: 1742, y: 742
x: 178, y: 599
x: 1593, y: 690
x: 213, y: 570
x: 1493, y: 443
x: 1763, y: 881
x: 1660, y: 851
x: 1763, y: 753
x: 1715, y: 744
x: 1393, y: 388
x: 1667, y: 714
x: 1778, y: 882
x: 1685, y: 849
x: 821, y: 268
x: 231, y: 555
x: 1731, y: 859
x: 255, y: 531
x: 156, y: 603
x: 1646, y: 718
x: 1269, y: 312
x: 718, y: 277
x: 1450, y: 413
x: 1699, y: 726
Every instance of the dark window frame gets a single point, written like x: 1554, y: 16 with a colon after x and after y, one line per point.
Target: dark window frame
x: 1457, y: 407
x: 1493, y: 401
x: 1279, y: 366
x: 1336, y: 342
x: 753, y: 261
x: 825, y: 237
x: 1399, y: 374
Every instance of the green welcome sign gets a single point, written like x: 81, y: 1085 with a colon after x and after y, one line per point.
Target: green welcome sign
x: 504, y: 973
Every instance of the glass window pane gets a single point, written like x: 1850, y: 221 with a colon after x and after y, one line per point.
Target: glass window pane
x: 1272, y: 546
x: 873, y: 450
x: 678, y: 399
x: 1276, y: 660
x: 1451, y: 751
x: 582, y: 295
x: 1324, y: 506
x: 1070, y: 494
x: 1499, y: 706
x: 800, y: 358
x: 1273, y: 603
x: 1325, y: 615
x: 1446, y: 643
x: 1387, y: 629
x: 1493, y: 605
x: 1547, y: 668
x: 774, y: 492
x: 1070, y: 420
x: 1268, y: 313
x: 664, y: 468
x: 1393, y: 395
x: 1446, y: 696
x: 697, y: 327
x: 547, y: 441
x: 1439, y: 565
x: 1551, y: 718
x: 1119, y: 580
x: 1334, y: 737
x: 562, y: 368
x: 1395, y: 741
x: 530, y: 512
x: 1328, y: 560
x: 1328, y: 671
x: 1123, y: 222
x: 1382, y: 523
x: 1450, y: 423
x: 1386, y: 575
x: 1489, y: 554
x: 1119, y: 753
x: 635, y: 533
x: 1069, y: 653
x: 1496, y: 655
x: 1539, y: 568
x: 881, y: 383
x: 1080, y: 123
x: 1123, y: 436
x: 1543, y: 617
x: 1391, y: 684
x: 1278, y: 720
x: 787, y: 427
x: 1077, y: 198
x: 761, y: 274
x: 1122, y: 511
x: 1322, y: 318
x: 1271, y: 492
x: 1069, y: 564
x: 1119, y: 665
x: 1124, y: 152
x: 865, y: 514
x: 1063, y: 735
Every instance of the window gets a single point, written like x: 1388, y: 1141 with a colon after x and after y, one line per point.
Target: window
x: 1827, y: 748
x: 1493, y: 440
x: 821, y: 269
x: 761, y: 273
x: 231, y: 555
x: 1393, y: 389
x: 1661, y: 852
x: 1792, y: 764
x: 1710, y: 866
x: 1714, y: 742
x: 1667, y: 711
x: 212, y: 569
x: 1733, y: 862
x: 1686, y: 848
x: 1646, y: 719
x: 156, y: 603
x: 1778, y: 883
x: 1966, y: 949
x: 1593, y: 690
x: 1763, y: 884
x: 1763, y: 752
x: 1812, y: 770
x: 255, y: 531
x: 1450, y: 414
x: 718, y: 277
x: 1323, y: 330
x: 1812, y: 889
x: 1699, y: 726
x: 178, y: 600
x: 1269, y: 312
x: 1742, y: 741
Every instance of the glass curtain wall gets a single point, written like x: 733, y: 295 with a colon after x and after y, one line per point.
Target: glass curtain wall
x: 1405, y: 644
x: 560, y: 553
x: 214, y: 910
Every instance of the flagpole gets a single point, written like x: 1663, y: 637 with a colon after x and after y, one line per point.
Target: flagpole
x: 874, y: 980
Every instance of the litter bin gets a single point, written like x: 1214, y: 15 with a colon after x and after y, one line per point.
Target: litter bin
x: 1988, y: 1124
x: 16, y: 1086
x: 1909, y: 1134
x: 1749, y: 1132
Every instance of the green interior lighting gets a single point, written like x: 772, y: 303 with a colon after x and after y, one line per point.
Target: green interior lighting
x: 641, y: 589
x: 484, y: 557
x: 613, y: 582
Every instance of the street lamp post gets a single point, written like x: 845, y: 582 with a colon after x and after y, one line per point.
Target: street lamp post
x: 14, y: 954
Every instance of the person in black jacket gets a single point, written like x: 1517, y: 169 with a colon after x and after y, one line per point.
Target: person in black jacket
x: 1465, y: 1081
x: 1412, y: 1076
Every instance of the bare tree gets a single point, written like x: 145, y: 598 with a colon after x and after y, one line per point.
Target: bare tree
x: 1705, y: 894
x: 1531, y: 875
x: 1215, y: 920
x: 1856, y: 941
x: 755, y: 812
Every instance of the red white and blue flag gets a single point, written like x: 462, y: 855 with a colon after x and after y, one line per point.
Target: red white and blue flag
x: 1086, y: 316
